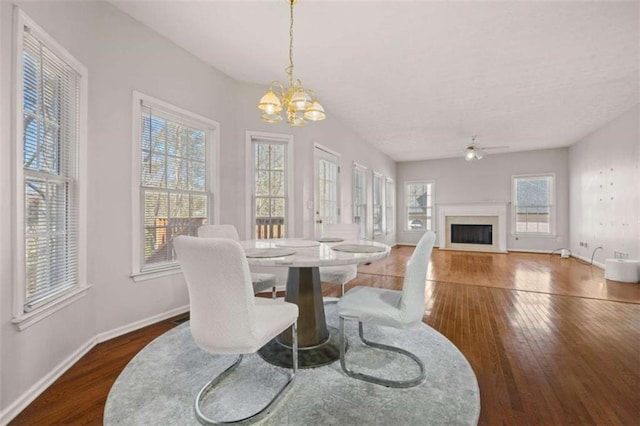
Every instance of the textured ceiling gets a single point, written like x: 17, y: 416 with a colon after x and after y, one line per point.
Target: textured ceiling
x: 417, y: 79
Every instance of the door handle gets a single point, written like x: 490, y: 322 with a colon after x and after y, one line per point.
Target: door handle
x: 319, y: 221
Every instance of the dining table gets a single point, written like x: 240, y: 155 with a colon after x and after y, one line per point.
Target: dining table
x: 318, y: 344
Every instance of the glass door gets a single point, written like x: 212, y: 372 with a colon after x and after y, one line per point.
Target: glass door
x: 327, y: 189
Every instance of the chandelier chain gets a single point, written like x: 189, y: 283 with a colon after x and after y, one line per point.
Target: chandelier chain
x: 289, y: 69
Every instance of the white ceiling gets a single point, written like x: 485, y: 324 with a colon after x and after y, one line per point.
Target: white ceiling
x: 417, y: 79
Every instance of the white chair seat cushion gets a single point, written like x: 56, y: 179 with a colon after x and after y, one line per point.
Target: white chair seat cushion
x: 272, y: 316
x: 338, y: 274
x: 263, y: 282
x: 373, y: 305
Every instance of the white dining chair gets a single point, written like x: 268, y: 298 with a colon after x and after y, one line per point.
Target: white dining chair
x: 392, y: 308
x: 225, y: 317
x: 261, y: 282
x: 340, y: 275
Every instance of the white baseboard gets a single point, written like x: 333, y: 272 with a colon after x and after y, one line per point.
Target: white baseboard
x: 557, y: 252
x: 532, y: 251
x: 108, y: 335
x: 588, y: 260
x: 41, y: 385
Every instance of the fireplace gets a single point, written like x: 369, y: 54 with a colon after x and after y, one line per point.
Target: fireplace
x: 473, y: 227
x: 471, y: 234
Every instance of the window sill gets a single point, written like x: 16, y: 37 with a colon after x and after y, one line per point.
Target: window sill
x: 156, y: 273
x: 534, y: 235
x: 26, y: 320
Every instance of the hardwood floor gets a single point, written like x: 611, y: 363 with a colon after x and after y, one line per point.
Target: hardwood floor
x: 550, y: 340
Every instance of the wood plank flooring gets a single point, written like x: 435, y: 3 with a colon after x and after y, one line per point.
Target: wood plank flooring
x: 550, y: 341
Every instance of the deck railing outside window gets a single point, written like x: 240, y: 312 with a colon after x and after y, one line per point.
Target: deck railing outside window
x: 270, y: 227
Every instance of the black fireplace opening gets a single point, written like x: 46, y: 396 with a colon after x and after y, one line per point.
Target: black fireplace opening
x: 472, y: 234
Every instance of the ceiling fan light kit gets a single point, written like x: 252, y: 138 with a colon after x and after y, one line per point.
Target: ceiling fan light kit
x: 473, y: 152
x: 300, y: 104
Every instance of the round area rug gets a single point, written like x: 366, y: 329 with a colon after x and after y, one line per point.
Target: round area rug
x: 160, y: 383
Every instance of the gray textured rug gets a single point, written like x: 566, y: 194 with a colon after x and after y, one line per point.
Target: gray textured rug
x: 159, y: 385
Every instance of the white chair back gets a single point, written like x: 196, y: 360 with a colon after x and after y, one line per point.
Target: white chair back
x: 413, y: 287
x: 348, y: 231
x: 218, y: 231
x: 220, y: 293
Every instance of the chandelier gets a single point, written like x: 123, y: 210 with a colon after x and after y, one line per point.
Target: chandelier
x: 300, y: 104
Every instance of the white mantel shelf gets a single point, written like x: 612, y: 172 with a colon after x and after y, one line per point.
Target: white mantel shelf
x: 498, y: 210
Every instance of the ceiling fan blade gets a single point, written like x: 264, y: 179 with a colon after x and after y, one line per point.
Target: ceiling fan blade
x: 488, y: 148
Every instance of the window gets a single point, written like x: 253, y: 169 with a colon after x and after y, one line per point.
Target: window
x: 50, y: 129
x: 533, y: 211
x: 359, y: 198
x: 419, y: 206
x: 174, y: 167
x: 378, y: 213
x: 390, y: 204
x: 269, y: 170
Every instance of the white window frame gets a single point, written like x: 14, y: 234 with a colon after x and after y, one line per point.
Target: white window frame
x: 354, y: 208
x: 552, y: 205
x: 288, y: 140
x: 389, y: 222
x: 376, y: 175
x: 21, y: 318
x: 405, y: 219
x: 212, y: 129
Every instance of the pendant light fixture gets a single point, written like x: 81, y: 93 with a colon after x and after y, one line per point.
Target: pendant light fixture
x: 299, y: 104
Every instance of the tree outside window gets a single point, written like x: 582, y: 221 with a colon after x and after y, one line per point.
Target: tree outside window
x: 270, y: 189
x: 174, y: 183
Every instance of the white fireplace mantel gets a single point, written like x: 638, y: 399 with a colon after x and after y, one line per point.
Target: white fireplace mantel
x: 498, y: 210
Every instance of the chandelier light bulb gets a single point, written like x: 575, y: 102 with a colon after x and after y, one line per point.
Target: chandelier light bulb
x: 470, y: 155
x: 315, y: 112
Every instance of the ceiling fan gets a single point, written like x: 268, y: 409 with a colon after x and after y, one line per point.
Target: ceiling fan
x: 474, y: 151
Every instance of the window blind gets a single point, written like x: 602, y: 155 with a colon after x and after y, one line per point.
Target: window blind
x: 175, y: 194
x: 51, y: 107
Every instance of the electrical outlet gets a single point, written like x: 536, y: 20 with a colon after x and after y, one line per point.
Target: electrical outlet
x: 620, y: 255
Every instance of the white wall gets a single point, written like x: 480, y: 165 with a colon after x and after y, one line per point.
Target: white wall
x: 121, y: 55
x: 489, y: 181
x: 27, y: 356
x: 605, y: 190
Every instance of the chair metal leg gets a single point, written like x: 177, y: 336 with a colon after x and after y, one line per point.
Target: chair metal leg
x: 203, y: 419
x: 274, y: 293
x: 372, y: 379
x: 329, y: 302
